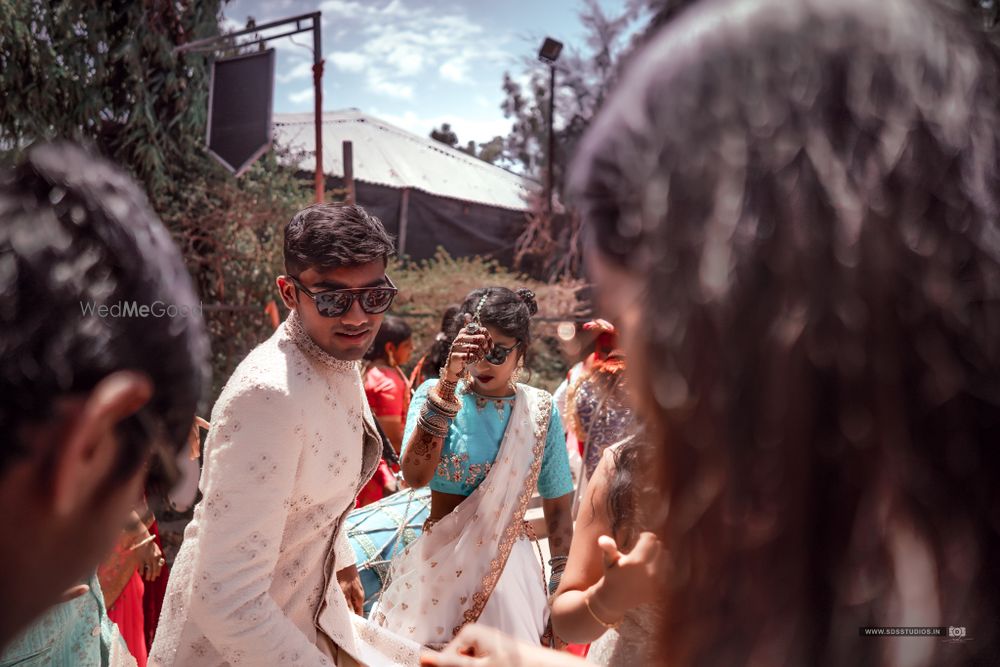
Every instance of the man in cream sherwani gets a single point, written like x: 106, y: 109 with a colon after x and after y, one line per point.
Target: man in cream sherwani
x: 292, y: 441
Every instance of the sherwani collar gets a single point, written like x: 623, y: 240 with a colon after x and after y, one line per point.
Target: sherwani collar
x: 298, y: 334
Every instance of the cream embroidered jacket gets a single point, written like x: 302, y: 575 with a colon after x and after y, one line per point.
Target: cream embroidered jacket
x: 291, y: 443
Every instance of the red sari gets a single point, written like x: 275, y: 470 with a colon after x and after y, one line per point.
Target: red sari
x: 127, y: 613
x: 123, y: 588
x: 388, y: 393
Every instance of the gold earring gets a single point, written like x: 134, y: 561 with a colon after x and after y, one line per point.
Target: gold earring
x: 392, y: 358
x: 515, y: 377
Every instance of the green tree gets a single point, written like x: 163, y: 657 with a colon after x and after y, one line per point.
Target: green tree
x: 584, y: 75
x: 445, y: 135
x: 491, y: 151
x: 106, y: 74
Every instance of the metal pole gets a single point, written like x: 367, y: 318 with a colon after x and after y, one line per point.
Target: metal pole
x: 348, y: 160
x: 213, y: 42
x: 404, y: 212
x: 550, y: 177
x: 318, y: 111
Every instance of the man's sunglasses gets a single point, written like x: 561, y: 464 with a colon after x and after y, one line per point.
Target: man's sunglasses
x: 336, y: 302
x: 498, y: 354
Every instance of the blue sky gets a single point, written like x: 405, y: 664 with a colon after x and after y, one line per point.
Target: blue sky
x: 415, y: 63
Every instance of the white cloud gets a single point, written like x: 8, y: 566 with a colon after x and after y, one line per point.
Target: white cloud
x: 301, y: 70
x: 345, y: 8
x: 232, y: 25
x: 306, y: 94
x: 400, y: 41
x: 390, y: 88
x: 465, y: 126
x: 347, y: 61
x: 455, y: 70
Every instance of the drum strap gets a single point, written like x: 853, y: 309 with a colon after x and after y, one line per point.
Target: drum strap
x: 388, y: 453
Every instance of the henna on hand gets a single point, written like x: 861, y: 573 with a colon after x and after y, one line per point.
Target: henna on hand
x: 421, y: 457
x: 424, y: 444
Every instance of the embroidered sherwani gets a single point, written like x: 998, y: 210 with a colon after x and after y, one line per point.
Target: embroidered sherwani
x: 292, y: 442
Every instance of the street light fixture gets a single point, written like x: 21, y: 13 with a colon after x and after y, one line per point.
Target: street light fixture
x: 549, y: 54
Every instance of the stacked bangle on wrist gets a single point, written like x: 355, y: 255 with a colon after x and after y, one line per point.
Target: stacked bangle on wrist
x: 558, y: 566
x: 446, y: 388
x: 433, y: 422
x: 448, y: 408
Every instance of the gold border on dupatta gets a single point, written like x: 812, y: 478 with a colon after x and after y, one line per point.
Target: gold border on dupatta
x: 516, y: 526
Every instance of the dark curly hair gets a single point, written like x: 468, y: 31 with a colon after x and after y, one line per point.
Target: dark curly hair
x: 806, y: 192
x: 78, y: 239
x: 508, y: 310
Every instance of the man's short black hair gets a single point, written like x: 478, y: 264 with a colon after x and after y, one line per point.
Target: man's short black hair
x: 76, y: 235
x: 328, y: 236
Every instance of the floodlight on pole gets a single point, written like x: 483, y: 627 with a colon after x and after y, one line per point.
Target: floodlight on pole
x: 549, y: 54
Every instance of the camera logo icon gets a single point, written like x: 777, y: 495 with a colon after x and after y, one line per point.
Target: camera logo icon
x: 956, y: 631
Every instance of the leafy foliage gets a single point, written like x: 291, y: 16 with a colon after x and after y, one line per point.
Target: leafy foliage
x: 106, y: 74
x: 584, y: 76
x: 491, y: 151
x: 427, y: 288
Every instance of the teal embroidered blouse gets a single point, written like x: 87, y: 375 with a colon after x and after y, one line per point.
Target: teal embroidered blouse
x: 77, y: 633
x: 473, y: 441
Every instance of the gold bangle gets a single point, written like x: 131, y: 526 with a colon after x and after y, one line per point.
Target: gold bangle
x: 609, y: 626
x: 149, y: 538
x: 447, y: 408
x: 446, y: 389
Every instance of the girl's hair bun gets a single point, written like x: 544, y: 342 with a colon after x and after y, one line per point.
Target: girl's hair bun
x: 528, y: 297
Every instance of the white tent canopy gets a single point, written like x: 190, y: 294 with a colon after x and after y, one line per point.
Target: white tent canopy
x: 384, y: 154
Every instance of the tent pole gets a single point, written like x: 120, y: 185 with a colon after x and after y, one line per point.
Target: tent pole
x: 348, y: 149
x: 318, y: 112
x: 404, y: 208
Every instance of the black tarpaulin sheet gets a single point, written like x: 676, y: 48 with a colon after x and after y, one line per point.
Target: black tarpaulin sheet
x: 464, y: 229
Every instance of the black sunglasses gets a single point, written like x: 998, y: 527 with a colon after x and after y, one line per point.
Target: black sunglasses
x: 498, y: 354
x: 336, y: 302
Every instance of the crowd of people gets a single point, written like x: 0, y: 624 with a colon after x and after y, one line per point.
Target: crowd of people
x: 785, y: 433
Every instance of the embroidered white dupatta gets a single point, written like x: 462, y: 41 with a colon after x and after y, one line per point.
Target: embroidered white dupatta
x: 445, y: 578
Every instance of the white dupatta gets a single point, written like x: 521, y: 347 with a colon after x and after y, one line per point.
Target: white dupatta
x: 445, y: 578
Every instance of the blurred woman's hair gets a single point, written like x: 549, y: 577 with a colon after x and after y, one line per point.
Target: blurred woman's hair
x: 807, y: 193
x: 394, y: 330
x: 77, y: 235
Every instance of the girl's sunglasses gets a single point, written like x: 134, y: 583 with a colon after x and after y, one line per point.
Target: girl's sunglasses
x: 498, y: 354
x: 336, y: 302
